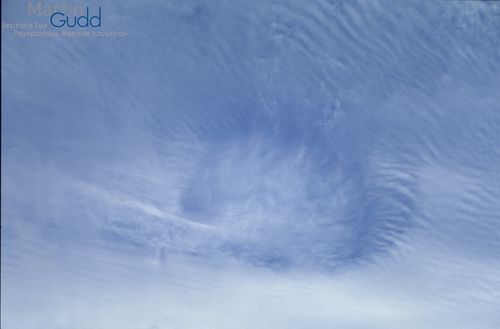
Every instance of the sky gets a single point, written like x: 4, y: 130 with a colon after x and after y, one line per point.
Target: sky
x: 252, y: 164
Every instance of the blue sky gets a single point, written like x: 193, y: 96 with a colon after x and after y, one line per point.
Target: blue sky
x: 254, y: 164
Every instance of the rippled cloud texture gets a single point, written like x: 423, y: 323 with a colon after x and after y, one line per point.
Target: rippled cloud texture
x: 254, y: 164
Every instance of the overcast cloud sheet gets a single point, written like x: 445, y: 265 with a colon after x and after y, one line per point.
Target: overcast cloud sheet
x: 253, y: 164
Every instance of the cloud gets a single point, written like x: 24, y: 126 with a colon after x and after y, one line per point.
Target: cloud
x: 254, y: 165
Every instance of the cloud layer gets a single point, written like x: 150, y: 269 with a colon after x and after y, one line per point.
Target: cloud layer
x: 254, y: 165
